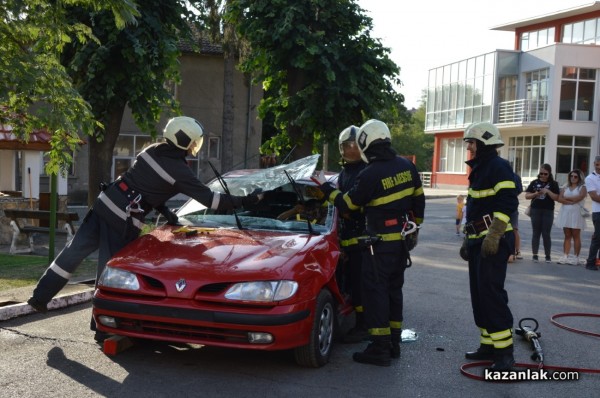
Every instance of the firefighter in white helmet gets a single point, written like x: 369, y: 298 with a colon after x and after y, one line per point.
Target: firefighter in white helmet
x: 159, y: 172
x: 390, y: 192
x: 351, y: 226
x: 489, y: 242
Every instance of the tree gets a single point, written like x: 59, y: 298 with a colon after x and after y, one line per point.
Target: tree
x: 320, y: 68
x: 37, y: 93
x: 127, y: 67
x: 410, y: 139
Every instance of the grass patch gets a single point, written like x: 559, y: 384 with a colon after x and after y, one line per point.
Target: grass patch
x: 25, y: 270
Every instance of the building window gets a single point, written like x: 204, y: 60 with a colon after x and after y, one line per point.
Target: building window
x: 582, y: 32
x: 571, y: 153
x: 536, y: 83
x: 577, y: 94
x: 453, y: 156
x: 526, y: 154
x: 125, y: 150
x: 214, y: 148
x: 461, y: 93
x: 537, y: 38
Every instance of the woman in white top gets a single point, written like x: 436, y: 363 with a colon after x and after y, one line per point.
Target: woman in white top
x: 572, y: 197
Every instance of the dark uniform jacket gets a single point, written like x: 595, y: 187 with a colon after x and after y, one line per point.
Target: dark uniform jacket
x: 389, y: 188
x: 492, y: 190
x: 352, y: 224
x: 159, y: 172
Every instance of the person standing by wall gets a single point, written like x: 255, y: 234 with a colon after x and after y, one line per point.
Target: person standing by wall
x: 572, y: 197
x: 592, y: 183
x: 543, y: 192
x: 491, y: 200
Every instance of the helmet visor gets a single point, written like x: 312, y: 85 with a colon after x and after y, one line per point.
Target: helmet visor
x: 195, y: 146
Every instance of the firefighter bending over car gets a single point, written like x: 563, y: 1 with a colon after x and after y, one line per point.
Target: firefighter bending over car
x: 489, y: 242
x: 159, y: 172
x: 390, y: 192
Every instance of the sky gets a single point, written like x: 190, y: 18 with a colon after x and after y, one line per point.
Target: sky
x: 423, y: 34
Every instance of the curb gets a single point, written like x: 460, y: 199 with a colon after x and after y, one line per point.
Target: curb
x: 20, y: 309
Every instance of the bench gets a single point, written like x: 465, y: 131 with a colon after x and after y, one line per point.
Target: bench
x: 16, y: 222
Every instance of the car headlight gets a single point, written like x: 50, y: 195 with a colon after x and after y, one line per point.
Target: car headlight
x: 119, y: 279
x: 263, y: 291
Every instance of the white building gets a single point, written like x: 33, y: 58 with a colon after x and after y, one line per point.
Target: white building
x: 543, y: 96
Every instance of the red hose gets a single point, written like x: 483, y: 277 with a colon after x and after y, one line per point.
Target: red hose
x: 571, y: 314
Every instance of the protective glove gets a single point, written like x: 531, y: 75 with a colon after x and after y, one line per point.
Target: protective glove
x: 171, y: 217
x: 411, y: 240
x: 326, y: 188
x: 252, y: 198
x: 464, y: 251
x: 489, y: 247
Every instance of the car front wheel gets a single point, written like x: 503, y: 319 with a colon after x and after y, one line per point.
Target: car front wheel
x: 316, y: 353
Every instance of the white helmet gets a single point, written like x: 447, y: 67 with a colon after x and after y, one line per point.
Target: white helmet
x: 185, y: 133
x: 372, y: 131
x: 347, y: 135
x: 485, y: 132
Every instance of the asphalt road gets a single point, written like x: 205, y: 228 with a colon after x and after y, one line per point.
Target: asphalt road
x: 54, y: 355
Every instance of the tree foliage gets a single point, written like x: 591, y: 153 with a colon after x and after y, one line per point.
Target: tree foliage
x: 36, y: 91
x: 127, y: 67
x: 320, y: 67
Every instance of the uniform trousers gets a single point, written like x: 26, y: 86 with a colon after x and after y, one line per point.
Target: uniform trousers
x: 382, y: 280
x: 93, y: 234
x: 486, y: 278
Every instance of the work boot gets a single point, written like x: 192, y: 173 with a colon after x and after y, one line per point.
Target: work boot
x: 376, y: 353
x: 503, y: 359
x: 395, y: 344
x: 358, y: 333
x: 485, y: 352
x: 37, y: 305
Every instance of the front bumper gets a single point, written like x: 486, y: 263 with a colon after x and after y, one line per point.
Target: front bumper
x: 183, y: 321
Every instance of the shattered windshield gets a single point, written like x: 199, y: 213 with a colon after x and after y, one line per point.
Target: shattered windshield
x: 281, y: 208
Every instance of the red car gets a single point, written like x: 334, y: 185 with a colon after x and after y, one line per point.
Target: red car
x: 261, y: 278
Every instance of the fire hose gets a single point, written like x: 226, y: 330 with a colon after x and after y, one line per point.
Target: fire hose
x: 530, y: 334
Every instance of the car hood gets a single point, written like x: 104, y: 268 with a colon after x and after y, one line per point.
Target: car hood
x: 223, y: 255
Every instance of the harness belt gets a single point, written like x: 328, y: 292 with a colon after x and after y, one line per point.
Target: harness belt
x: 478, y: 226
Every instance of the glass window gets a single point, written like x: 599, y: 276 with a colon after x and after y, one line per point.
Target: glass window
x: 214, y: 147
x: 571, y: 153
x: 567, y: 33
x: 528, y: 154
x: 589, y: 31
x: 577, y: 94
x: 453, y: 155
x: 123, y: 146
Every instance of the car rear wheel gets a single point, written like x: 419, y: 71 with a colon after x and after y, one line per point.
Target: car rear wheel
x: 316, y: 353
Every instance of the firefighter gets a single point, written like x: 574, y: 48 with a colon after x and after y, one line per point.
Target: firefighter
x: 351, y: 226
x: 159, y: 172
x: 489, y: 242
x: 390, y: 192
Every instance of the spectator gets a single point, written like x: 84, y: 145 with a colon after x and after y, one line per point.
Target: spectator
x: 543, y: 192
x: 592, y: 183
x: 572, y: 197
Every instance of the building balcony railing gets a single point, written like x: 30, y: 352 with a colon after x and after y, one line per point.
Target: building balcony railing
x: 523, y: 111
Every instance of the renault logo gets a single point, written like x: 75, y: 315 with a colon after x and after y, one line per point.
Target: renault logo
x: 180, y: 285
